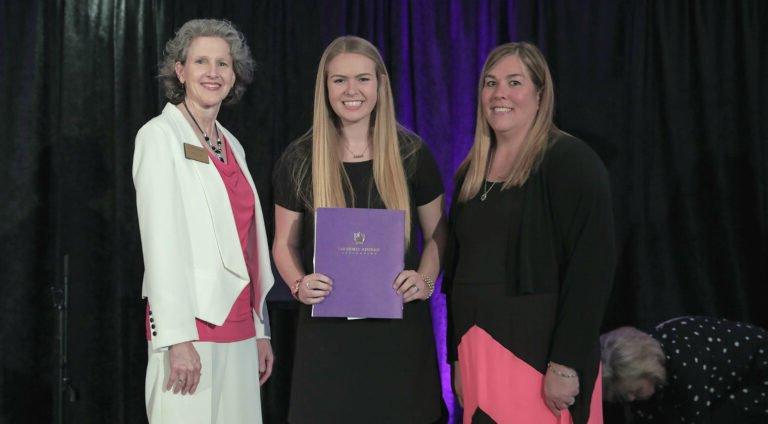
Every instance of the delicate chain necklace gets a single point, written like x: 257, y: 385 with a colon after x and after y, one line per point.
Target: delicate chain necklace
x: 354, y: 155
x: 215, y: 149
x: 487, y: 189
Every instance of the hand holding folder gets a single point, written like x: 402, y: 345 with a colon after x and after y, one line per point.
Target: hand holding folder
x: 362, y: 251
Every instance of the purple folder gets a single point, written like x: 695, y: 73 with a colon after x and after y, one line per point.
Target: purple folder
x: 362, y: 251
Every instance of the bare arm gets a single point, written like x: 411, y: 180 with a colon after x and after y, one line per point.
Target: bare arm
x: 286, y: 251
x: 410, y: 283
x: 286, y: 247
x: 435, y: 230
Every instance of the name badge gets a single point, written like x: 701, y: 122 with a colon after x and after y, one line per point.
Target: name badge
x: 195, y: 153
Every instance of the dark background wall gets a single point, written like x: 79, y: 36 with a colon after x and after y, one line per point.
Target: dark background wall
x: 672, y: 96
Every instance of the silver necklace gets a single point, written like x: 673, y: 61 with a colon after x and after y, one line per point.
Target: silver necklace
x: 215, y: 149
x: 486, y: 190
x: 355, y: 156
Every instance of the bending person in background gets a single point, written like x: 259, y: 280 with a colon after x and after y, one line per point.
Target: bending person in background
x: 356, y: 155
x: 531, y: 255
x: 689, y: 369
x: 206, y: 257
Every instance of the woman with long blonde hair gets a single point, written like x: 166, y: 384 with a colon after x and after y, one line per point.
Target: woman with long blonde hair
x: 357, y: 156
x: 530, y: 256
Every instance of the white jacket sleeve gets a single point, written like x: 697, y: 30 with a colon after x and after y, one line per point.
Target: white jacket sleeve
x: 166, y: 247
x: 262, y: 324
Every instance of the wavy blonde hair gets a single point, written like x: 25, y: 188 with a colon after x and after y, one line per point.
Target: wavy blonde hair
x: 329, y: 179
x: 475, y: 165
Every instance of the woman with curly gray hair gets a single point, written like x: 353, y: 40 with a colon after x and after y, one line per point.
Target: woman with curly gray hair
x: 206, y: 257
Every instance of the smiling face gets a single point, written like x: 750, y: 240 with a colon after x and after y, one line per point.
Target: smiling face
x: 352, y: 88
x: 510, y: 99
x: 207, y: 73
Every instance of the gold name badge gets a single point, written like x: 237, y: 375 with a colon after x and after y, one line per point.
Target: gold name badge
x: 195, y: 153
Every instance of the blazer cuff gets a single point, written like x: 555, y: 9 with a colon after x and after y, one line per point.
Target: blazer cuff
x: 172, y: 337
x: 262, y: 325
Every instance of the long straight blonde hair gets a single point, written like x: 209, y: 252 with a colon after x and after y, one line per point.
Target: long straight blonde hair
x: 329, y: 179
x: 475, y: 165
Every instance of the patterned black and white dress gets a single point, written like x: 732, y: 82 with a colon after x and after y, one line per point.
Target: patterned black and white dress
x: 717, y: 372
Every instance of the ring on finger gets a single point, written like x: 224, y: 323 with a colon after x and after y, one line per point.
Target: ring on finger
x: 306, y: 284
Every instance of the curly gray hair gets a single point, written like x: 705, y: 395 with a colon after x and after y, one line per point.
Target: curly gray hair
x: 176, y: 51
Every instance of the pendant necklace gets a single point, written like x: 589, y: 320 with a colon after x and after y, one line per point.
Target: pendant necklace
x: 487, y: 189
x: 215, y: 149
x: 354, y: 155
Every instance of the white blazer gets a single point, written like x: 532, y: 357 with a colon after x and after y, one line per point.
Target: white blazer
x: 193, y: 262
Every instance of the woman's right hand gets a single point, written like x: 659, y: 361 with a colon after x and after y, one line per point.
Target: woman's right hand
x: 313, y: 288
x: 561, y: 386
x: 457, y: 383
x: 185, y: 368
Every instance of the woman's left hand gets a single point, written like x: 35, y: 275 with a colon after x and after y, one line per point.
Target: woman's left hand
x: 266, y: 359
x: 560, y: 392
x: 411, y: 285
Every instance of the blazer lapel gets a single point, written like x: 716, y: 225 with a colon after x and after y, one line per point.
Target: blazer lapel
x: 217, y: 201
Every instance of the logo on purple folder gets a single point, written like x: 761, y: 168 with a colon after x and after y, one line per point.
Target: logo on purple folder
x: 359, y: 237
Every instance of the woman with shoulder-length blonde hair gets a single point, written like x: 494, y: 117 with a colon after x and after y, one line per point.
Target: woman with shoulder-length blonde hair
x: 530, y: 256
x: 356, y: 155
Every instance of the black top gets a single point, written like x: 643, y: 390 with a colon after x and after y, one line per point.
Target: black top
x: 560, y: 239
x: 372, y: 370
x: 482, y: 251
x: 555, y: 237
x: 422, y: 174
x: 709, y: 362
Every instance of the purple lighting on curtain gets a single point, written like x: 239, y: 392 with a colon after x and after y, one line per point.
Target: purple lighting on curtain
x: 434, y: 53
x: 435, y: 57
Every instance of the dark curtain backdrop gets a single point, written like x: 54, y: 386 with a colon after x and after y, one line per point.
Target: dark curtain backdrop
x: 671, y: 94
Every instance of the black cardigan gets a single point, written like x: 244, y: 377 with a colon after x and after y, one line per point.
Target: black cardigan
x: 564, y: 244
